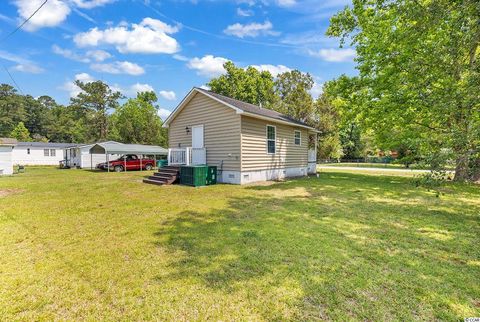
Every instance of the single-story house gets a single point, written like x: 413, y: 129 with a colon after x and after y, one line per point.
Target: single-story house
x: 39, y: 153
x: 6, y: 151
x: 246, y: 142
x: 78, y: 156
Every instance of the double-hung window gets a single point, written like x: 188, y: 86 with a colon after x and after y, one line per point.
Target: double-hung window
x: 271, y: 138
x: 53, y: 152
x: 46, y: 152
x: 298, y: 138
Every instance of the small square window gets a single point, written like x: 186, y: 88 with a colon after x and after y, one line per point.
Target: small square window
x: 298, y: 138
x: 53, y: 152
x: 46, y: 152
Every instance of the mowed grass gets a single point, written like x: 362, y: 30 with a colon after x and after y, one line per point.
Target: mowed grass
x: 77, y: 244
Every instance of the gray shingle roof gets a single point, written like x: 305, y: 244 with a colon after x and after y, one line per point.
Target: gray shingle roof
x: 254, y: 109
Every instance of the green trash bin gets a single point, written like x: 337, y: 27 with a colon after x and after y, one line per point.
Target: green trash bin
x: 195, y: 176
x: 211, y: 175
x: 162, y: 163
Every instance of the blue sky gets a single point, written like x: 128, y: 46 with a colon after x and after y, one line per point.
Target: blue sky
x: 168, y: 46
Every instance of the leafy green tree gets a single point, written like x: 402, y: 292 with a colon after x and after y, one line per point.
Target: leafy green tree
x: 20, y: 132
x: 69, y: 124
x: 38, y: 115
x: 419, y: 70
x: 12, y: 109
x: 294, y: 99
x: 137, y: 121
x: 248, y: 85
x: 97, y: 99
x: 328, y: 123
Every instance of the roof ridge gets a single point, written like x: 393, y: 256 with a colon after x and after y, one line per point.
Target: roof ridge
x: 255, y: 107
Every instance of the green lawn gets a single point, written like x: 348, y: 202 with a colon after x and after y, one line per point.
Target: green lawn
x: 345, y: 246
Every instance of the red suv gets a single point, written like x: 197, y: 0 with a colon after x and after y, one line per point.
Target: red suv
x: 132, y: 161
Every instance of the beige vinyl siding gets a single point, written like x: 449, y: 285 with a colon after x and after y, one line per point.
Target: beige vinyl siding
x: 221, y: 130
x: 254, y: 146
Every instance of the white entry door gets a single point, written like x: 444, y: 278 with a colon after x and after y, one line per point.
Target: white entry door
x: 197, y: 136
x: 198, y: 151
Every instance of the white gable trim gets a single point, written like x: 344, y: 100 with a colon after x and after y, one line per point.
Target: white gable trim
x: 187, y: 99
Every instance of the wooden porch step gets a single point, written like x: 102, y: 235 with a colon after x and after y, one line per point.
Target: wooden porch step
x: 155, y: 182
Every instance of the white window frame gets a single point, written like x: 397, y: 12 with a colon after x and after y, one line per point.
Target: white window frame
x: 295, y: 137
x: 54, y: 154
x: 274, y: 140
x: 46, y: 152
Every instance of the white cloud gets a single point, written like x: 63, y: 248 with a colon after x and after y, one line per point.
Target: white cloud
x: 273, y: 69
x: 150, y: 37
x: 67, y: 53
x: 119, y: 67
x: 52, y: 13
x: 89, y: 4
x: 138, y: 88
x: 180, y: 57
x: 244, y: 12
x: 23, y: 65
x: 28, y: 68
x: 168, y: 95
x: 163, y: 113
x: 73, y: 89
x: 286, y: 3
x: 251, y: 30
x: 208, y: 65
x: 334, y: 55
x: 98, y: 55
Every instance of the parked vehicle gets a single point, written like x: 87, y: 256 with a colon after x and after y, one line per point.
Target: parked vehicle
x: 131, y: 161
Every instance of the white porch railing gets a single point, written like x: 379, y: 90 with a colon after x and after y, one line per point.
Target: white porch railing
x: 187, y: 156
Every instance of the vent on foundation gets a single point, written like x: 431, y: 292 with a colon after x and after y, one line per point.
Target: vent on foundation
x: 231, y: 176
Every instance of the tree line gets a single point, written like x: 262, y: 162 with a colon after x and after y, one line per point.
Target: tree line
x: 94, y: 115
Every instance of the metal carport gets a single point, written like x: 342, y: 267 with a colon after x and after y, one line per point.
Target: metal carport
x: 120, y: 148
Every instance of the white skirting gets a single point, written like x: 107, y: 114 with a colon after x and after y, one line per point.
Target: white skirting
x: 244, y: 177
x: 312, y: 167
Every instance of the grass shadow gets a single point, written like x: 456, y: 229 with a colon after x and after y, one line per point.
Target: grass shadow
x: 338, y: 242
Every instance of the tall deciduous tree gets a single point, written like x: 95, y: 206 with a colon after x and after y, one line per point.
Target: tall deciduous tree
x: 20, y: 132
x: 12, y: 109
x: 420, y: 71
x: 248, y: 85
x: 293, y: 91
x: 97, y: 99
x: 137, y: 121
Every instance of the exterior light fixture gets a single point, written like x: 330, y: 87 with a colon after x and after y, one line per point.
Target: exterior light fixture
x: 187, y: 129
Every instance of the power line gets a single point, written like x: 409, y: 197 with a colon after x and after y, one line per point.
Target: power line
x: 11, y: 34
x: 24, y: 22
x: 13, y: 80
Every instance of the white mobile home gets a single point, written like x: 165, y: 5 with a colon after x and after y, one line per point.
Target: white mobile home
x: 6, y: 162
x: 39, y: 153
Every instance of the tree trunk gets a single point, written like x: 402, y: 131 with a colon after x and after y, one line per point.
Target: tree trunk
x: 461, y: 167
x: 475, y: 175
